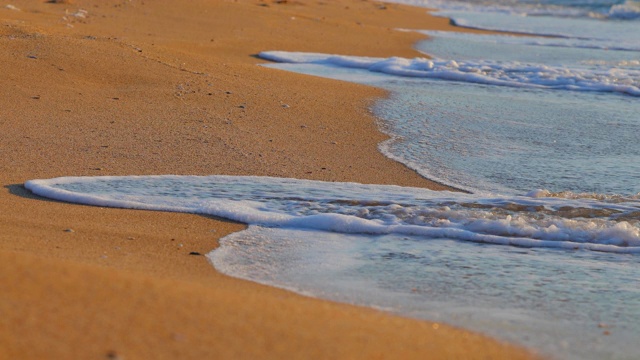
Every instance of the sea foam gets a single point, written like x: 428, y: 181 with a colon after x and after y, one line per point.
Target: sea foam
x: 514, y: 74
x: 524, y: 221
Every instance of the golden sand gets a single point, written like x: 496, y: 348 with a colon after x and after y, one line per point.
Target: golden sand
x: 126, y: 87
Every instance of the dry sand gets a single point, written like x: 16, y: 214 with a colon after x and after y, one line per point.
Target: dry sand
x: 160, y: 87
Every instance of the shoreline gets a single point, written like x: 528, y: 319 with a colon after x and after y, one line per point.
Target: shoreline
x: 115, y: 90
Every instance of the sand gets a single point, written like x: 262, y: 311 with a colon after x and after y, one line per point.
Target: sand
x: 160, y: 87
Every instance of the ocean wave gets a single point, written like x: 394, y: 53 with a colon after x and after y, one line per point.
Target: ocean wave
x: 537, y: 220
x: 514, y: 74
x: 629, y: 10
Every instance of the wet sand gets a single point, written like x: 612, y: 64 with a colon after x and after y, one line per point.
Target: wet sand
x: 159, y: 87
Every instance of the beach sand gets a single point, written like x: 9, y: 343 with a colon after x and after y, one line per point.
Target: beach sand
x: 161, y: 87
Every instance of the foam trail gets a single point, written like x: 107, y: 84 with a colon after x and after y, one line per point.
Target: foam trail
x: 514, y: 74
x: 608, y: 224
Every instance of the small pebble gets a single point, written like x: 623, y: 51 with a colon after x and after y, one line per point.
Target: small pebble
x: 285, y: 106
x: 69, y: 230
x: 194, y: 253
x: 113, y: 355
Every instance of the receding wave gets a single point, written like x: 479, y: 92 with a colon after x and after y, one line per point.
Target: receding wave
x: 537, y: 220
x: 514, y: 74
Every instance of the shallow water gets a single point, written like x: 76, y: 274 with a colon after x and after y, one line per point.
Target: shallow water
x: 515, y: 140
x: 561, y: 303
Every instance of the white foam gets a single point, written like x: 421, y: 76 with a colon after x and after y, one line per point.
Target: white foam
x: 528, y: 221
x: 514, y: 74
x: 627, y: 10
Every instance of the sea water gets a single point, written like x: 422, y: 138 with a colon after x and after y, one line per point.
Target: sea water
x: 541, y: 131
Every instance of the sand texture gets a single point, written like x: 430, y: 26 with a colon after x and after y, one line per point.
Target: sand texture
x: 172, y: 87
